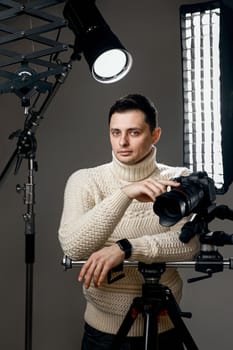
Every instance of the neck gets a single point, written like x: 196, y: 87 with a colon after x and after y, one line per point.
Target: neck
x: 138, y: 171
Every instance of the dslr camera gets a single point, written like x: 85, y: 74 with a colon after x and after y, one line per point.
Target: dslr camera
x: 195, y: 193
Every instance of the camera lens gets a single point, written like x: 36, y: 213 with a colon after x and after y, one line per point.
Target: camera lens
x: 170, y: 207
x: 178, y: 203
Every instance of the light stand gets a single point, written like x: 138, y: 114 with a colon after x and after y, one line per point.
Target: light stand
x: 26, y: 149
x: 32, y: 78
x: 26, y: 82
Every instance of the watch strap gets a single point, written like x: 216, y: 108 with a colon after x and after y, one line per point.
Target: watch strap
x: 126, y: 246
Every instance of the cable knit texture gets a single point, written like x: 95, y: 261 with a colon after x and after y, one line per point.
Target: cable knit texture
x: 97, y: 213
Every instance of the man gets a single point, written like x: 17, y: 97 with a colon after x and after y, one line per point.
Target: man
x: 108, y: 217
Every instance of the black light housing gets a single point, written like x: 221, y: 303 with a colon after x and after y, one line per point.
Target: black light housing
x: 107, y: 58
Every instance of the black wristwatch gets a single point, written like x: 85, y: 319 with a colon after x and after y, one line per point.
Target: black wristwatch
x: 126, y: 246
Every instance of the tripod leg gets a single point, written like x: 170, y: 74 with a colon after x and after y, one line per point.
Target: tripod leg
x: 151, y: 326
x: 127, y: 323
x: 174, y: 314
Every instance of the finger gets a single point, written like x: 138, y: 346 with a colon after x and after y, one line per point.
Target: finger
x: 162, y: 186
x: 155, y: 188
x: 97, y: 273
x: 84, y: 269
x: 159, y: 187
x: 89, y: 275
x: 103, y: 275
x: 148, y: 192
x: 170, y: 183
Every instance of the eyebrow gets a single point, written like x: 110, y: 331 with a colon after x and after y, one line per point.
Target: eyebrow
x: 129, y: 129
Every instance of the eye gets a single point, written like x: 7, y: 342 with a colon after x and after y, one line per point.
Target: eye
x: 134, y: 132
x: 115, y: 132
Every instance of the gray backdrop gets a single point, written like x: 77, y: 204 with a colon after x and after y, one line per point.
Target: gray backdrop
x: 74, y: 135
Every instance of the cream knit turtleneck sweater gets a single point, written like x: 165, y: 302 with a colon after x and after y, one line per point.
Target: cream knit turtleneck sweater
x: 97, y: 213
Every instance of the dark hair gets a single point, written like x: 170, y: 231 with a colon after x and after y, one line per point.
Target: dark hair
x: 139, y: 102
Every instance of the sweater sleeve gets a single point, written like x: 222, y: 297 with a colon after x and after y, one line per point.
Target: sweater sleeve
x: 87, y: 221
x: 165, y: 246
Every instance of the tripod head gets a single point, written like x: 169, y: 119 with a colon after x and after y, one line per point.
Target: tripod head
x: 196, y: 195
x: 151, y: 272
x: 209, y: 260
x: 199, y: 225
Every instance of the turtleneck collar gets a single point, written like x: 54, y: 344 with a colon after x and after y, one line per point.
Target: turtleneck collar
x: 135, y: 172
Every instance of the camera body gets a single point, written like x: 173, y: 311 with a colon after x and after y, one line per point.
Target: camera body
x: 195, y: 193
x: 202, y: 184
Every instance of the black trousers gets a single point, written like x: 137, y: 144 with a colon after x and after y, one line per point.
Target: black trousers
x: 96, y: 340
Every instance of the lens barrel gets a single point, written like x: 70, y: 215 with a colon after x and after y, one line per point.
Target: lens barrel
x: 172, y: 206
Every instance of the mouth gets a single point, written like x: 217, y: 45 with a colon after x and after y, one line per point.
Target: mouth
x: 124, y: 153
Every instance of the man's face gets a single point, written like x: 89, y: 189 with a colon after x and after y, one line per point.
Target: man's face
x: 131, y: 137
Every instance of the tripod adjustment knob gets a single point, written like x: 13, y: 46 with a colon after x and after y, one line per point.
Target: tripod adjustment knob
x: 19, y: 188
x: 209, y: 274
x: 186, y: 314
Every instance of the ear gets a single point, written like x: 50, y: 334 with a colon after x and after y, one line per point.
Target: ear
x: 156, y: 135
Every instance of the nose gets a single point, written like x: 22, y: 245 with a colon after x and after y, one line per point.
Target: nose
x: 123, y: 140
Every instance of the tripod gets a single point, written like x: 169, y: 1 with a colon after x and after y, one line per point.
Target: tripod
x: 155, y: 299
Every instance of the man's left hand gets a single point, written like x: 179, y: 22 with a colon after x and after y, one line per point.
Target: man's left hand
x: 99, y: 264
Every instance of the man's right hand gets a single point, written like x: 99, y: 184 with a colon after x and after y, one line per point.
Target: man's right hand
x: 148, y: 190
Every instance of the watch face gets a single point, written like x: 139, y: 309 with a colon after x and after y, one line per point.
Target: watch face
x: 125, y: 245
